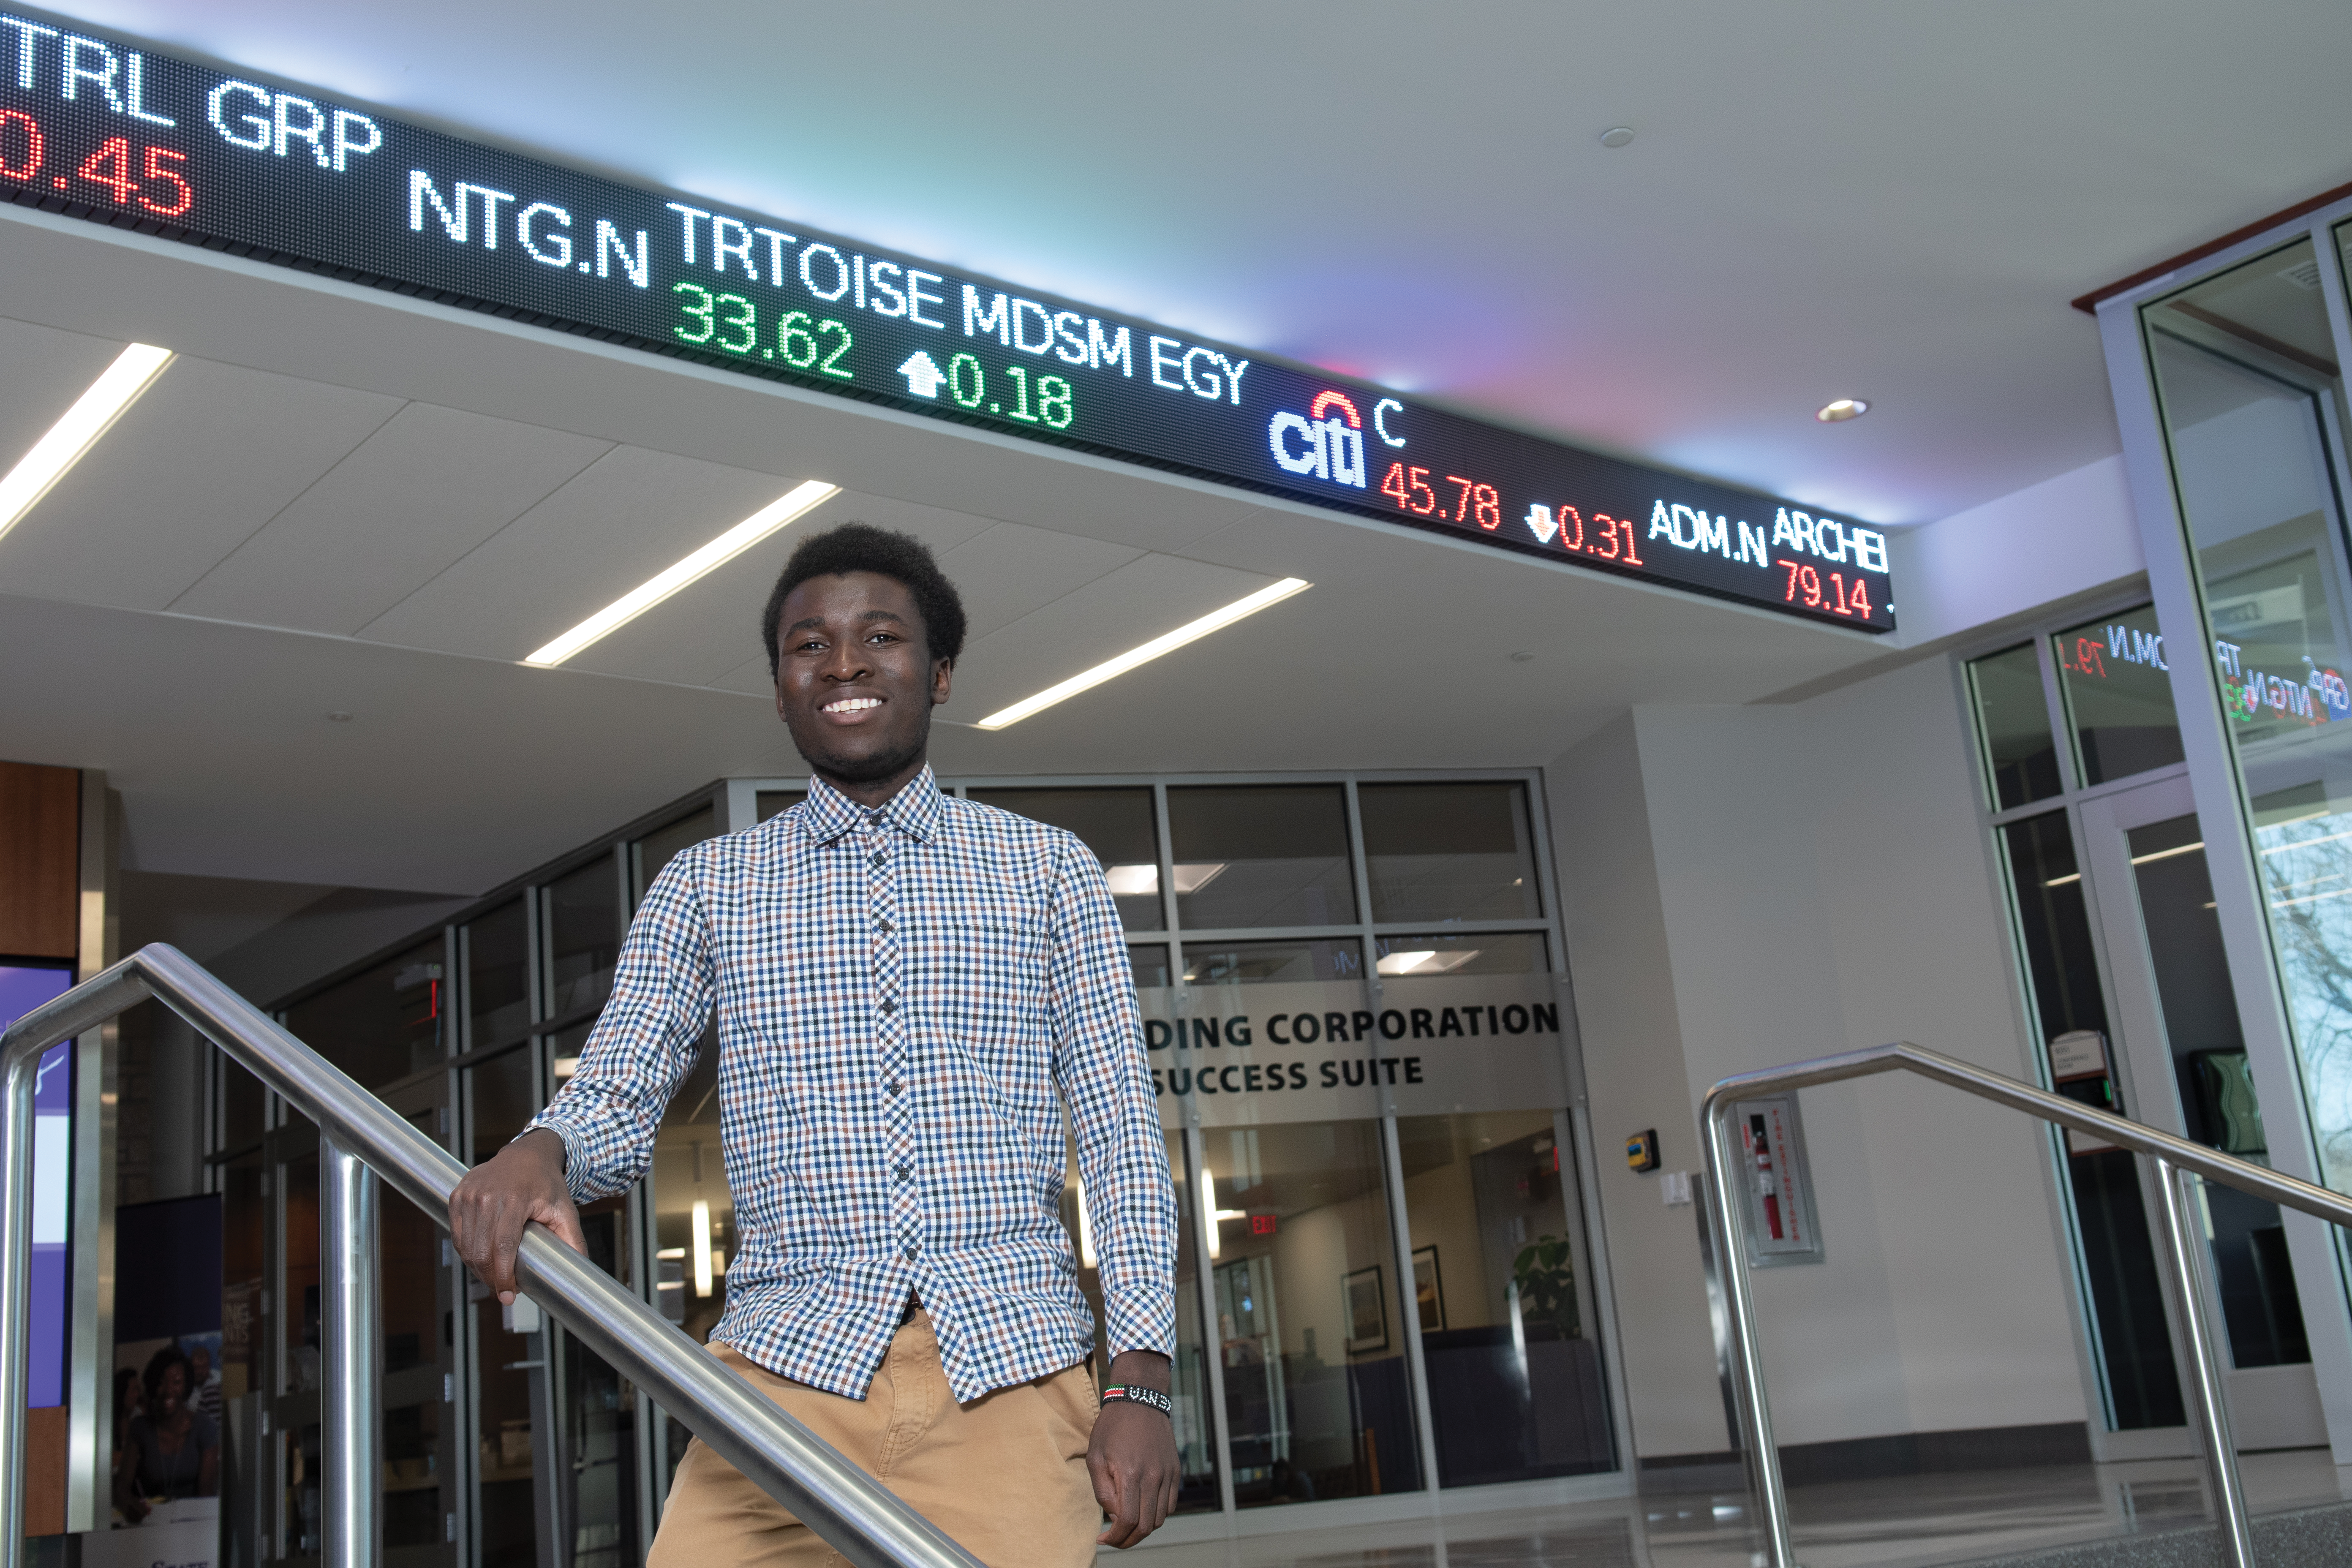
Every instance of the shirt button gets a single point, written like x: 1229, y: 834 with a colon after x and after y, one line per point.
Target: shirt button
x: 877, y: 858
x: 908, y: 1253
x: 883, y: 923
x: 903, y: 1172
x: 889, y: 1005
x: 891, y: 1087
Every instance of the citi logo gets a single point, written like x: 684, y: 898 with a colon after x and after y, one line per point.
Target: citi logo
x: 1329, y: 444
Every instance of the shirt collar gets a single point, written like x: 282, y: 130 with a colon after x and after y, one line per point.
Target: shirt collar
x: 914, y: 810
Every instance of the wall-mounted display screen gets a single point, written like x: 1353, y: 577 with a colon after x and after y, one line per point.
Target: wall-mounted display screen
x: 94, y: 127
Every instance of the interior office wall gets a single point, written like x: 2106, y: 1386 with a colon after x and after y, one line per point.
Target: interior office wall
x: 1799, y: 880
x: 2072, y: 533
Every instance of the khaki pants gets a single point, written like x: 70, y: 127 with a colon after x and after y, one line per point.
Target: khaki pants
x: 1006, y: 1475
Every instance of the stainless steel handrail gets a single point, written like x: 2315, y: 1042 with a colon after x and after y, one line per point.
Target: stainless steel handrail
x: 856, y: 1514
x: 2177, y: 1160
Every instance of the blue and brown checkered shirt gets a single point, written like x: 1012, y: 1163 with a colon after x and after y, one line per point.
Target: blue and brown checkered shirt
x: 905, y: 998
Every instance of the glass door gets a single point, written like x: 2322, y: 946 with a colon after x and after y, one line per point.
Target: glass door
x: 2181, y: 1047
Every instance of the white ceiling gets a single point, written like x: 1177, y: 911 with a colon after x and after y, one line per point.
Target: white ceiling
x: 339, y: 500
x: 1824, y: 197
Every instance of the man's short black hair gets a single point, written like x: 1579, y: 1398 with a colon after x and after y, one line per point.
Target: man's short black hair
x: 862, y: 547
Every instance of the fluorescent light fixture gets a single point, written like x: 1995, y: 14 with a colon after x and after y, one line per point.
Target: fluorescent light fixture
x: 1426, y: 960
x: 2167, y: 854
x: 1209, y: 1206
x: 1134, y: 881
x: 700, y: 564
x: 566, y: 1066
x: 700, y: 1250
x: 669, y: 1253
x: 93, y: 414
x: 1839, y: 410
x: 1216, y: 620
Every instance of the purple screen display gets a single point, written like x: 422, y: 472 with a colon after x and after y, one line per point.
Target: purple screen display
x: 22, y: 990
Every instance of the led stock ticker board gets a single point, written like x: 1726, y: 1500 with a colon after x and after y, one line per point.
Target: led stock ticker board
x: 96, y: 128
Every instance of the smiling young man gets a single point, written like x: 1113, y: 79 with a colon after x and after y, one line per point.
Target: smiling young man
x: 907, y: 988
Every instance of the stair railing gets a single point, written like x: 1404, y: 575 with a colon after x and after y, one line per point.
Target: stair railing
x: 2178, y: 1164
x: 362, y: 1139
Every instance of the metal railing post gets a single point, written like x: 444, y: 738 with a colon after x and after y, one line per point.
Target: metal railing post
x: 1755, y: 1410
x: 353, y: 1356
x: 2182, y: 1243
x: 15, y: 1293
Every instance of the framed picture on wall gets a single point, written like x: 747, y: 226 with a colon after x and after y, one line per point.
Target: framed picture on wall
x: 1428, y: 1291
x: 1368, y: 1311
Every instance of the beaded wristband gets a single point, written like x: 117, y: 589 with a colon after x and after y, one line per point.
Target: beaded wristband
x: 1136, y: 1393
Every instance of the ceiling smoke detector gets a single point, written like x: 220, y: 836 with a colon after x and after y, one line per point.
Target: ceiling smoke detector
x: 1617, y: 136
x: 1844, y: 408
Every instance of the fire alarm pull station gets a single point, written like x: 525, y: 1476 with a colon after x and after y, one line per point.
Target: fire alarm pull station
x: 1641, y: 1151
x: 1782, y: 1227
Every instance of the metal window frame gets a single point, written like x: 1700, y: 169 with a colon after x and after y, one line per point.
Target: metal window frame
x: 2224, y: 810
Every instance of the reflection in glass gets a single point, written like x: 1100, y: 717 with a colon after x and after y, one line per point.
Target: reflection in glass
x: 504, y: 1517
x: 1503, y: 1288
x: 1196, y: 1448
x: 1261, y: 855
x: 694, y: 1221
x: 1513, y: 953
x: 600, y: 1418
x: 2013, y: 725
x: 498, y: 977
x: 771, y: 803
x: 245, y: 1223
x: 1149, y: 962
x: 2217, y: 1104
x: 2245, y: 371
x: 1304, y: 1275
x: 1272, y: 963
x: 648, y: 855
x: 584, y: 937
x: 244, y: 1103
x: 501, y: 1097
x: 2118, y: 693
x: 2119, y: 1260
x: 384, y: 1023
x: 1448, y: 851
x: 1117, y: 825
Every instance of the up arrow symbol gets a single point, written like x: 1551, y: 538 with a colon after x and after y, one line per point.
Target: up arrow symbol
x: 923, y: 375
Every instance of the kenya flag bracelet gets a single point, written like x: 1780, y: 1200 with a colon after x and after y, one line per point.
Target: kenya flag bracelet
x: 1136, y: 1393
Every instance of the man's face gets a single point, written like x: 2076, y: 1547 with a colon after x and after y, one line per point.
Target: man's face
x: 855, y: 679
x: 201, y: 1361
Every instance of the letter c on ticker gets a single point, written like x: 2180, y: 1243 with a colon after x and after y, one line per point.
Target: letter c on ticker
x: 1380, y: 418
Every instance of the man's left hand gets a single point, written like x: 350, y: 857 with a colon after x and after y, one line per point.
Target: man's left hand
x: 1133, y: 1455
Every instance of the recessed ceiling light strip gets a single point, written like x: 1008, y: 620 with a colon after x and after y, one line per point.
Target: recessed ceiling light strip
x: 703, y: 562
x: 1215, y: 620
x: 71, y: 438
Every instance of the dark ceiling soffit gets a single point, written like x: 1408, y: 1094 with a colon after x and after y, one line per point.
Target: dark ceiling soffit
x: 2089, y: 303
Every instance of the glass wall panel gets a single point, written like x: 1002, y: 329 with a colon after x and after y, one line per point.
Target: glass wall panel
x: 2014, y: 727
x: 1118, y: 824
x: 380, y: 1024
x: 2118, y: 695
x: 2250, y: 397
x: 771, y: 803
x: 2218, y: 1103
x: 1303, y: 1263
x: 1272, y: 963
x: 1261, y: 855
x: 1448, y: 851
x: 1149, y: 962
x: 498, y: 977
x: 584, y: 937
x: 599, y: 1407
x: 2118, y: 1262
x: 648, y: 855
x: 1511, y: 952
x: 693, y: 1221
x: 500, y: 1096
x: 1503, y: 1289
x: 1196, y: 1444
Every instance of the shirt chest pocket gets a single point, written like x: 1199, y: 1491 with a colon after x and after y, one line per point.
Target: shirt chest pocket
x: 982, y: 979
